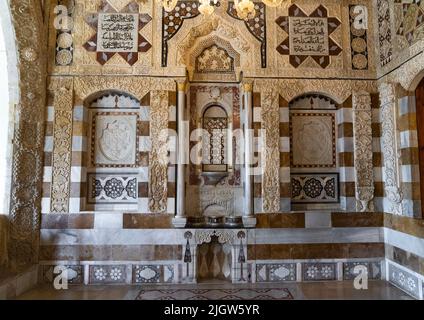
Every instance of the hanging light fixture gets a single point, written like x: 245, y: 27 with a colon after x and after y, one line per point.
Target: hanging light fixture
x: 206, y: 8
x: 245, y: 8
x: 169, y: 5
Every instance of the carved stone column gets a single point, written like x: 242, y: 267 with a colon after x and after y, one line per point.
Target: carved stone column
x: 158, y: 173
x: 180, y: 219
x: 248, y: 217
x: 271, y: 151
x: 389, y: 140
x: 62, y: 144
x: 362, y: 138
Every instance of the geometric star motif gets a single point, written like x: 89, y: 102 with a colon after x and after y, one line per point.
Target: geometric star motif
x: 117, y: 32
x: 308, y: 36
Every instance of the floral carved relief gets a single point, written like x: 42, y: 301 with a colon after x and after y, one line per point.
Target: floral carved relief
x: 362, y: 137
x: 271, y: 160
x: 62, y: 144
x: 158, y: 174
x: 389, y: 146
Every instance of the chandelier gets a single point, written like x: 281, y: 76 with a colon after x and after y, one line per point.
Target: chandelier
x: 245, y: 8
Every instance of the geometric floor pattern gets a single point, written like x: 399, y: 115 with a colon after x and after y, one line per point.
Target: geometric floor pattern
x: 216, y: 294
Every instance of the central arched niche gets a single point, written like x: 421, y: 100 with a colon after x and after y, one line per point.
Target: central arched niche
x: 214, y: 178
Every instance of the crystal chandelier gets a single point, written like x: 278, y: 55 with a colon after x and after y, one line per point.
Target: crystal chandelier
x: 245, y: 8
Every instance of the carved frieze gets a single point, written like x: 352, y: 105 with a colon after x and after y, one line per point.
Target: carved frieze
x: 137, y: 87
x: 158, y: 174
x: 338, y: 90
x: 362, y: 138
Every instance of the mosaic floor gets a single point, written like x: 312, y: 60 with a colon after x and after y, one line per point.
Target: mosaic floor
x: 216, y: 294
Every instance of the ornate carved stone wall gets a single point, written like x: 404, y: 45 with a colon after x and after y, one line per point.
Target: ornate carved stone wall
x: 158, y: 170
x: 271, y: 151
x: 30, y: 35
x: 362, y: 136
x: 389, y: 144
x: 62, y: 143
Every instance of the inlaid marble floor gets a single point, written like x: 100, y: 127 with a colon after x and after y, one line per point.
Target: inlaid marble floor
x: 320, y: 290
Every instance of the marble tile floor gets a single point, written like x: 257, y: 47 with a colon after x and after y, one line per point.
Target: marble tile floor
x: 336, y: 290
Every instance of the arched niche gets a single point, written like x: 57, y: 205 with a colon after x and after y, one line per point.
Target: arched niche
x: 314, y: 169
x: 113, y: 145
x: 215, y: 123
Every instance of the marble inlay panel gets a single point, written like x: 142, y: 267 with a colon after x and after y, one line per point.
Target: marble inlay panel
x: 404, y: 280
x: 107, y: 274
x: 276, y: 272
x: 319, y: 271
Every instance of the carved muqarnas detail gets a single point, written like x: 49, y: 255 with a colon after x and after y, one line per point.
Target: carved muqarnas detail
x: 214, y: 59
x: 118, y: 32
x: 308, y: 36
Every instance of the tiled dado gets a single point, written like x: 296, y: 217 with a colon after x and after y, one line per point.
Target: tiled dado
x: 316, y: 271
x: 110, y: 273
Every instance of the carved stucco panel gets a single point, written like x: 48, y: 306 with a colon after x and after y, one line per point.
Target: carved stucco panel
x: 362, y: 138
x: 205, y: 236
x: 389, y: 147
x: 271, y: 151
x: 62, y: 144
x: 158, y: 174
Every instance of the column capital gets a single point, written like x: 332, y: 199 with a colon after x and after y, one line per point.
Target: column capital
x: 247, y: 86
x: 387, y: 91
x: 182, y: 85
x: 361, y: 100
